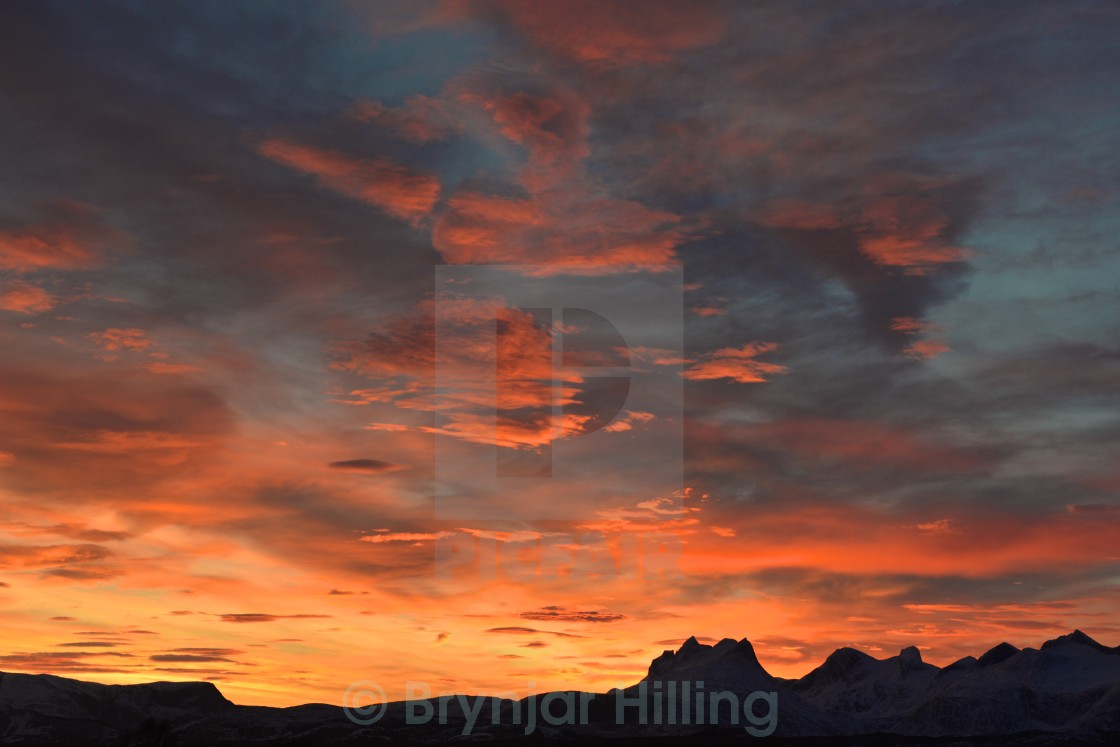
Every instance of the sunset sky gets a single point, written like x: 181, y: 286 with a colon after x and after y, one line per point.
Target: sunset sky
x: 231, y: 232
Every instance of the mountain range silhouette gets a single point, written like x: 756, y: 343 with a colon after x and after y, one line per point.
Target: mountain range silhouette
x: 1065, y: 692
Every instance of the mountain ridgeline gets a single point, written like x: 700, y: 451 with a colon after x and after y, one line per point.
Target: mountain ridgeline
x: 1067, y: 691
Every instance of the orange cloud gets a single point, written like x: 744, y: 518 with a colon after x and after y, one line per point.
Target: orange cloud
x: 628, y: 420
x: 42, y: 248
x: 404, y: 537
x: 391, y: 427
x: 569, y: 232
x: 379, y: 182
x: 132, y: 428
x: 403, y: 354
x: 736, y: 364
x: 31, y: 556
x: 926, y: 349
x: 568, y: 222
x: 368, y: 466
x: 24, y: 298
x: 898, y: 221
x: 920, y: 349
x: 553, y: 129
x: 112, y: 340
x: 856, y: 539
x: 556, y: 613
x: 906, y: 230
x: 262, y: 617
x: 67, y: 237
x: 910, y: 325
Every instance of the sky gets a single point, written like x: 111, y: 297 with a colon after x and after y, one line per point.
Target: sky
x: 301, y: 306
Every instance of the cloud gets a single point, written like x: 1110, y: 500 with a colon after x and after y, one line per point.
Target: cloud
x: 628, y: 419
x: 517, y: 630
x: 260, y: 617
x: 394, y: 188
x: 926, y: 349
x: 188, y: 658
x: 798, y: 214
x: 552, y: 128
x: 56, y: 661
x: 131, y: 340
x: 569, y: 221
x: 25, y: 298
x: 390, y: 427
x: 170, y: 369
x: 369, y: 466
x: 558, y: 613
x: 67, y: 236
x: 907, y: 230
x: 940, y: 525
x: 194, y: 651
x: 403, y: 356
x: 678, y: 642
x: 1092, y: 508
x: 912, y: 326
x: 605, y: 33
x: 43, y: 556
x: 69, y: 530
x: 571, y: 231
x: 378, y: 539
x: 739, y: 365
x: 867, y: 443
x: 41, y: 247
x: 420, y: 119
x: 131, y: 430
x: 920, y: 349
x: 85, y: 573
x: 903, y: 227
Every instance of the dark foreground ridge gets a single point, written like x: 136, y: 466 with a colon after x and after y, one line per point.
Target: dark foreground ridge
x: 1067, y: 692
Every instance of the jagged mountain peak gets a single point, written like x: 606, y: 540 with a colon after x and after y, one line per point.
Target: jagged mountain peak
x: 693, y: 654
x: 996, y: 654
x: 690, y: 646
x: 843, y: 663
x: 910, y: 658
x: 847, y: 657
x: 963, y: 664
x: 1077, y: 637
